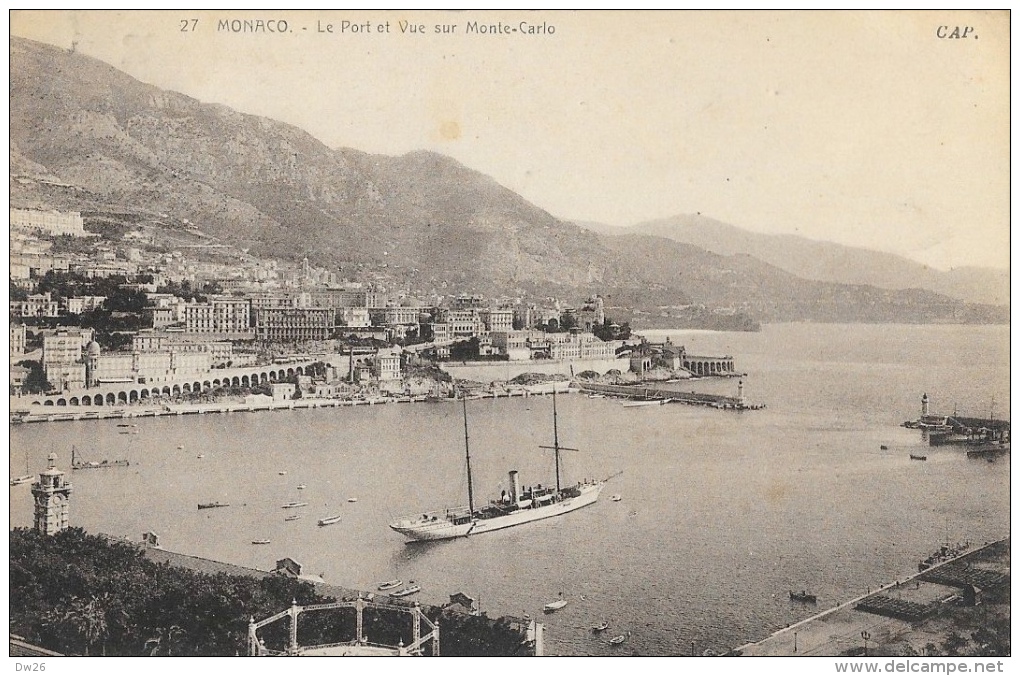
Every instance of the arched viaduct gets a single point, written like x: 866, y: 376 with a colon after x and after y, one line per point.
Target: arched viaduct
x: 117, y: 394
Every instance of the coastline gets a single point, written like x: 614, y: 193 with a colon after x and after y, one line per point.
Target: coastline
x: 842, y: 620
x: 108, y: 413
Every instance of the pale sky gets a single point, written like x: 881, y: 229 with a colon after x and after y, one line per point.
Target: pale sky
x: 862, y: 128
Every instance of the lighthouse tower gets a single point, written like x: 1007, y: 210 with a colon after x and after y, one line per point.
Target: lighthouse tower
x: 740, y: 393
x: 52, y: 495
x: 924, y: 405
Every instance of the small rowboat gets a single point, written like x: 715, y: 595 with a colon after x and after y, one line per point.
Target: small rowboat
x: 616, y: 498
x: 392, y: 584
x: 803, y: 597
x: 293, y: 517
x: 302, y: 487
x: 601, y: 626
x: 329, y: 520
x: 554, y: 606
x: 413, y: 589
x: 292, y: 505
x: 260, y: 542
x: 617, y: 640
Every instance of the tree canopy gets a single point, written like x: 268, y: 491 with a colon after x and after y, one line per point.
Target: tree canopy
x: 77, y: 593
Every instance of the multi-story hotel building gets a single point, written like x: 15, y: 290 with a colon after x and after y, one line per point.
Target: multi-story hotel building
x: 225, y: 315
x: 291, y: 325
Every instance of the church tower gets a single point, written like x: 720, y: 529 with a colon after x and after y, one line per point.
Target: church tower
x: 52, y: 495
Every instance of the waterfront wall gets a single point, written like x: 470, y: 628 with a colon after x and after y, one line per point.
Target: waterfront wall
x: 507, y: 370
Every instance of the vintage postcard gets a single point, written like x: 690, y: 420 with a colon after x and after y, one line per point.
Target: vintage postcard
x: 510, y: 333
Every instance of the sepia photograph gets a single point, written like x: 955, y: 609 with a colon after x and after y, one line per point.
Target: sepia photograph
x: 475, y: 333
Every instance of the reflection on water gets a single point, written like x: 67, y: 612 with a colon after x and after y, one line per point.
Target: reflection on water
x: 721, y: 514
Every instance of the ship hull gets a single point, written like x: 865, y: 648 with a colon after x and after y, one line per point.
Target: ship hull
x: 426, y: 530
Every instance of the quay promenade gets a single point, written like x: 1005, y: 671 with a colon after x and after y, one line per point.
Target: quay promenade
x: 838, y: 630
x: 143, y: 410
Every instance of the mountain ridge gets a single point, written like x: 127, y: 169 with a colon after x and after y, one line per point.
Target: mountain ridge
x: 825, y: 260
x: 85, y: 136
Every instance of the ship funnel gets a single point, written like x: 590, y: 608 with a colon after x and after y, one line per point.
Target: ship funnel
x: 515, y: 487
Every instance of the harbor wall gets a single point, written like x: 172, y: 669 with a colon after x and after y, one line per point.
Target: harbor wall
x: 489, y: 371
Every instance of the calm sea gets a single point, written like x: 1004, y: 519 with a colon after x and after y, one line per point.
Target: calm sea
x: 721, y: 513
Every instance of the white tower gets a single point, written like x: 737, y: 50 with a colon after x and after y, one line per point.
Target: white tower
x: 740, y: 392
x: 924, y: 404
x: 52, y: 495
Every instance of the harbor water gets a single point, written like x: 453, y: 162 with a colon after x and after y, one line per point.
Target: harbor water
x: 721, y: 513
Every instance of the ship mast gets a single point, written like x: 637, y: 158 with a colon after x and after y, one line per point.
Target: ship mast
x: 467, y: 453
x: 556, y: 440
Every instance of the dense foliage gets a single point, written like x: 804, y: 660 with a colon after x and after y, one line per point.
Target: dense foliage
x: 73, y: 284
x: 35, y: 380
x: 81, y: 594
x: 609, y: 330
x: 185, y: 290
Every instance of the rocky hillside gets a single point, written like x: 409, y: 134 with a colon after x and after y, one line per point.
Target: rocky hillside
x: 88, y: 137
x: 831, y: 262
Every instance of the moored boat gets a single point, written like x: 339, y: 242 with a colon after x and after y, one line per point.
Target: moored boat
x: 514, y: 507
x: 329, y: 520
x: 617, y: 640
x: 600, y: 627
x: 260, y: 542
x: 407, y: 591
x: 78, y: 463
x: 292, y: 505
x: 391, y: 584
x: 17, y: 481
x: 555, y: 605
x: 211, y: 505
x: 293, y: 517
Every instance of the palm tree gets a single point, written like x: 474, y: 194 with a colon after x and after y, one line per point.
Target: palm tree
x: 88, y: 620
x: 163, y: 634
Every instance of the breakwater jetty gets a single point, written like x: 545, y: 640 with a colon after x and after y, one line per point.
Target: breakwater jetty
x: 651, y: 394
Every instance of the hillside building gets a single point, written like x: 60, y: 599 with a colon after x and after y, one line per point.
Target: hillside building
x: 222, y: 315
x: 292, y: 325
x: 18, y: 339
x: 53, y: 223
